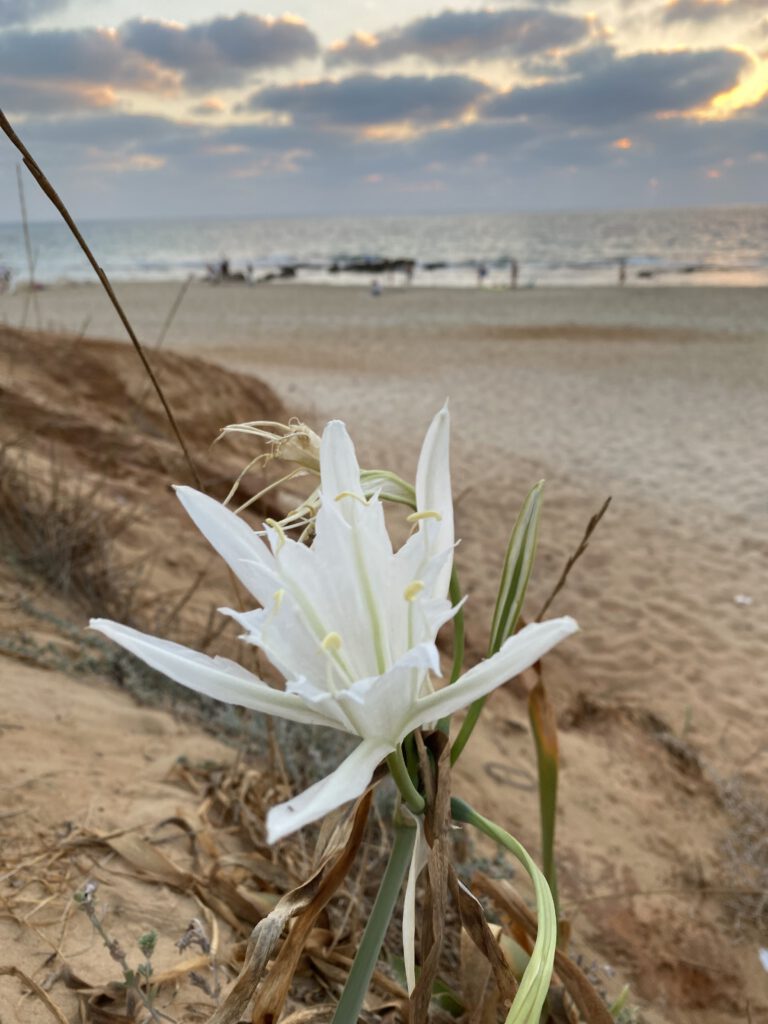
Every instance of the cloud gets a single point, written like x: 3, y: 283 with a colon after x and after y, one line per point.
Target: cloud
x: 222, y: 51
x: 624, y: 88
x: 20, y: 97
x: 77, y: 55
x: 209, y: 107
x: 147, y: 165
x: 455, y: 36
x: 19, y: 12
x: 710, y: 10
x: 363, y: 100
x: 147, y: 56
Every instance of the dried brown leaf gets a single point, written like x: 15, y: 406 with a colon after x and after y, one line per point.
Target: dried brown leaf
x: 479, y: 992
x: 473, y: 919
x: 146, y: 858
x: 437, y: 819
x: 303, y: 903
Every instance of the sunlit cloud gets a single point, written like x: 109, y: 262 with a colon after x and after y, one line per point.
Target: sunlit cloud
x: 455, y: 37
x: 750, y: 90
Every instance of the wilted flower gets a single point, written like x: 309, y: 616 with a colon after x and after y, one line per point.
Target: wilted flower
x: 350, y: 623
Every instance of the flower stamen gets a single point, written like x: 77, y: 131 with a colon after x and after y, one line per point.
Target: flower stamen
x: 413, y: 590
x: 428, y: 513
x: 331, y: 643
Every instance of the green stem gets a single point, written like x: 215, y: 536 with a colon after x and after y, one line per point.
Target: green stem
x: 351, y: 1002
x: 527, y: 1005
x: 411, y: 796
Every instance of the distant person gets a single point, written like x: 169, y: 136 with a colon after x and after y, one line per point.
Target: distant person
x: 514, y: 270
x: 224, y: 269
x: 5, y: 279
x: 375, y: 288
x: 409, y: 268
x: 623, y: 270
x: 482, y: 273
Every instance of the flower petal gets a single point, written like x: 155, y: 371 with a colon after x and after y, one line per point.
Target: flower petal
x: 419, y: 860
x: 376, y: 706
x: 345, y: 783
x: 433, y: 491
x: 241, y: 548
x: 519, y: 652
x: 215, y: 677
x: 339, y: 470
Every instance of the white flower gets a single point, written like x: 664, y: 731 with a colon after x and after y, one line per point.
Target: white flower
x: 348, y: 622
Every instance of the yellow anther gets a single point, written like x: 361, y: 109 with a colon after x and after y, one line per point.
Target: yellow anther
x: 428, y: 513
x: 413, y: 590
x: 278, y: 599
x: 351, y: 494
x: 331, y: 643
x: 278, y: 530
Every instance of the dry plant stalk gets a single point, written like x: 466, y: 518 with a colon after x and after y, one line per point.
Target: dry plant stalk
x: 37, y: 173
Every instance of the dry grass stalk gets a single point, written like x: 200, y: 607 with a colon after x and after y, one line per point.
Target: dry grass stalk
x: 46, y: 186
x: 41, y: 994
x: 582, y: 547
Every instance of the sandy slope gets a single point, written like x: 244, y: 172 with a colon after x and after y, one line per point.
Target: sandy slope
x: 655, y: 397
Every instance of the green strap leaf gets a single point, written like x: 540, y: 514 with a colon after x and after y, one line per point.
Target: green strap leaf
x: 527, y: 1005
x: 518, y: 564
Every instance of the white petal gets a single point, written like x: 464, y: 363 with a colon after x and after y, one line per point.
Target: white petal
x: 433, y: 490
x: 215, y: 677
x: 321, y: 700
x: 519, y: 652
x: 244, y: 552
x: 280, y: 631
x: 339, y: 470
x: 378, y: 705
x: 419, y: 859
x: 347, y: 782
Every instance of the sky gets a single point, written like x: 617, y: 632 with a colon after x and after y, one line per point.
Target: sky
x: 397, y: 107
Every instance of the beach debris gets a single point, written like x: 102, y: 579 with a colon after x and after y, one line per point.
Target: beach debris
x: 744, y: 600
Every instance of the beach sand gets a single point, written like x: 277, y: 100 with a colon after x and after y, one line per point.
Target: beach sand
x: 655, y: 397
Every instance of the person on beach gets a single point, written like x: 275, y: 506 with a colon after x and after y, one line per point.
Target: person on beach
x: 513, y: 272
x: 5, y: 279
x: 623, y: 270
x: 482, y: 273
x: 375, y: 288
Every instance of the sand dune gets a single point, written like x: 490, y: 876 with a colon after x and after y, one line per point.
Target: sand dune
x: 656, y: 398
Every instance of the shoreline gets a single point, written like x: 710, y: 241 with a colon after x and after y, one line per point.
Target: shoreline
x: 212, y: 316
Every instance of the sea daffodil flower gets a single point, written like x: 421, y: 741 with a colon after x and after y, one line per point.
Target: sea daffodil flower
x: 350, y: 623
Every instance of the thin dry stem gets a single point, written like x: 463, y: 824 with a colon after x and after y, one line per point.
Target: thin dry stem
x: 46, y: 186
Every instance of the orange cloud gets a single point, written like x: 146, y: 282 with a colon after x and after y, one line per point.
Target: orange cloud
x: 750, y: 90
x: 623, y: 143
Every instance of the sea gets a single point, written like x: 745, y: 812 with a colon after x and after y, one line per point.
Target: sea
x: 721, y: 245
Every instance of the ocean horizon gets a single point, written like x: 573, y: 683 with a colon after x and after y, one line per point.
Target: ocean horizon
x: 704, y: 246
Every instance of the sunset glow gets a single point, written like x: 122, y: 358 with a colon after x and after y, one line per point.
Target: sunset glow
x: 480, y: 104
